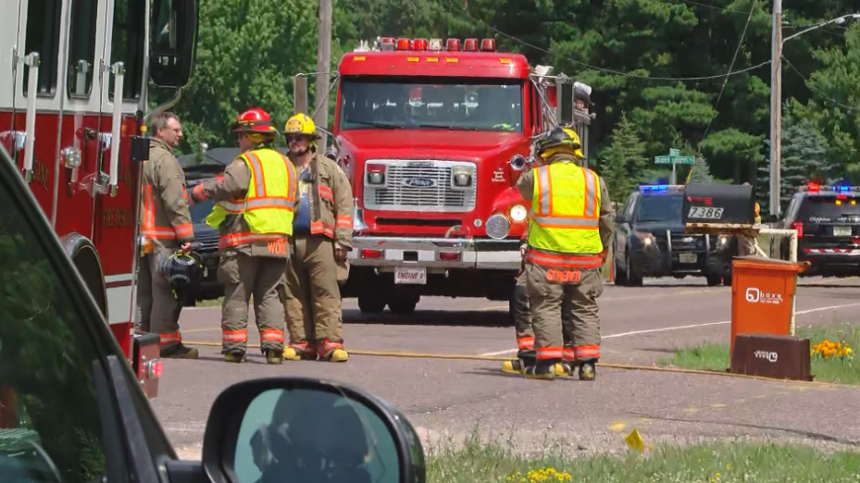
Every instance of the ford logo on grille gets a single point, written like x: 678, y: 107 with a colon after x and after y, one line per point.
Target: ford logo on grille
x: 419, y: 182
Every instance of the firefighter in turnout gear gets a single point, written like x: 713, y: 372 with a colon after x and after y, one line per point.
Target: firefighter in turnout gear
x: 569, y: 230
x: 520, y: 311
x: 255, y: 199
x: 322, y: 236
x: 166, y: 227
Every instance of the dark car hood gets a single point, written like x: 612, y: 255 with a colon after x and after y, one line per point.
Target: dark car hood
x: 659, y: 227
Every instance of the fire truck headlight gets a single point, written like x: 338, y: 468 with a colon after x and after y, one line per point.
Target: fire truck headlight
x: 518, y: 213
x: 498, y: 226
x: 462, y: 176
x: 376, y: 174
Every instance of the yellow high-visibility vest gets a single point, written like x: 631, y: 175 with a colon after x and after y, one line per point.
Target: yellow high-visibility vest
x: 757, y: 213
x: 565, y: 210
x: 268, y: 205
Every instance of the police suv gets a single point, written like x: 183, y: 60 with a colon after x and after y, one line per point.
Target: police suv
x: 650, y: 241
x: 827, y: 220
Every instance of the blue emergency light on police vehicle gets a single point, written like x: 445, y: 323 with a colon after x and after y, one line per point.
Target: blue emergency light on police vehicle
x: 660, y: 187
x: 814, y: 187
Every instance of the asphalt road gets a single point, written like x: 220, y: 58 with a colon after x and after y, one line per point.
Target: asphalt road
x: 451, y: 397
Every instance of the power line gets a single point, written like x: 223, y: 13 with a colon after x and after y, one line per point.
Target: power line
x: 603, y: 69
x: 726, y: 81
x: 820, y: 93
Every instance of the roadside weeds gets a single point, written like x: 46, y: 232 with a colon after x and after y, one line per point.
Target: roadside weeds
x: 832, y: 354
x: 739, y: 460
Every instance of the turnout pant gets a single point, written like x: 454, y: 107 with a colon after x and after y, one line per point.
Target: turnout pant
x: 575, y: 299
x: 262, y: 277
x: 523, y: 321
x: 159, y: 309
x: 313, y: 303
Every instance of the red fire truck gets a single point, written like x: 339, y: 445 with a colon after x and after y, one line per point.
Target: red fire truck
x: 73, y: 99
x: 433, y: 138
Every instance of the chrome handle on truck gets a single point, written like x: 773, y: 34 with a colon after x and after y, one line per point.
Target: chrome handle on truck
x: 118, y: 70
x: 32, y: 62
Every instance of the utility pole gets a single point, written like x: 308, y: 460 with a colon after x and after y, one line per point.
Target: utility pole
x: 323, y: 66
x: 776, y: 108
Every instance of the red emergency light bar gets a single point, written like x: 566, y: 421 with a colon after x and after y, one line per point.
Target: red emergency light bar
x: 404, y: 44
x: 451, y: 45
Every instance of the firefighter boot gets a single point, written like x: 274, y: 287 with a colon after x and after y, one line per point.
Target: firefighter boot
x: 274, y: 357
x: 564, y: 369
x: 179, y: 351
x: 541, y: 370
x: 234, y: 355
x: 333, y: 352
x: 306, y: 353
x: 525, y: 358
x: 587, y: 370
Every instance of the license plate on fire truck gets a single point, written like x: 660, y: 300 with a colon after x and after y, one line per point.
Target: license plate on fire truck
x: 415, y: 276
x: 688, y: 257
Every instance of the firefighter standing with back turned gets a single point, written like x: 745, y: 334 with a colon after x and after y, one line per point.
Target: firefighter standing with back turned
x: 167, y: 228
x: 322, y: 235
x: 521, y: 313
x: 255, y: 200
x: 569, y: 228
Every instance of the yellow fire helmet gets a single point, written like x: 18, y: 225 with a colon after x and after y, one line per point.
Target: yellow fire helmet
x: 301, y: 124
x: 558, y: 140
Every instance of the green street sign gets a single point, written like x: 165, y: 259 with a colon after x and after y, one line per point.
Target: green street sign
x: 674, y: 152
x: 674, y: 159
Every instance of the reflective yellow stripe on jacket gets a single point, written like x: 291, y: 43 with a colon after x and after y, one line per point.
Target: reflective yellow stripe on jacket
x: 268, y: 205
x: 565, y: 211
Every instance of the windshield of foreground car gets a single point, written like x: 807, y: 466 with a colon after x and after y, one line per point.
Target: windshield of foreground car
x: 384, y: 102
x: 660, y: 208
x: 50, y: 427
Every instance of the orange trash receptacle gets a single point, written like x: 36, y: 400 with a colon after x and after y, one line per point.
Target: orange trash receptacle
x: 762, y: 295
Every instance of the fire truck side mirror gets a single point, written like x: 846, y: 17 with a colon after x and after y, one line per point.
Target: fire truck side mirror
x: 173, y: 42
x: 139, y: 150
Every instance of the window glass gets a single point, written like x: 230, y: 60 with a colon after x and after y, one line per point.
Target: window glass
x: 830, y: 209
x: 43, y: 36
x: 660, y: 207
x: 286, y: 435
x: 82, y: 48
x: 49, y: 416
x: 447, y: 103
x: 127, y: 44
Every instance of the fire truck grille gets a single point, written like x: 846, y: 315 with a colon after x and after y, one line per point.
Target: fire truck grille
x: 424, y: 186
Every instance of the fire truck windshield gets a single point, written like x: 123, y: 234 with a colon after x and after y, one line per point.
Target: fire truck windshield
x: 470, y: 104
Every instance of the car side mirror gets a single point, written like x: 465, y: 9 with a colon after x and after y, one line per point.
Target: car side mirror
x: 301, y: 429
x: 173, y: 42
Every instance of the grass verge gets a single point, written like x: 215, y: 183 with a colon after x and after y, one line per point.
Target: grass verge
x: 210, y: 303
x: 715, y: 357
x: 478, y: 462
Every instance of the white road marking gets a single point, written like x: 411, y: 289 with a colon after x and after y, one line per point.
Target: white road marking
x: 682, y: 327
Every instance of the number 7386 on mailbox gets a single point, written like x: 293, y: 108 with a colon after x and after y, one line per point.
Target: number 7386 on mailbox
x: 705, y: 213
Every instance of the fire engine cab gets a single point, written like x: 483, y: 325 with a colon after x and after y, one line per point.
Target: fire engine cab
x: 73, y: 98
x: 433, y: 137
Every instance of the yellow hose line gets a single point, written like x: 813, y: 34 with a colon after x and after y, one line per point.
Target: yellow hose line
x: 470, y: 357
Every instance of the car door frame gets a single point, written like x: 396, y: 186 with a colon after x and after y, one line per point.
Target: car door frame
x: 128, y: 422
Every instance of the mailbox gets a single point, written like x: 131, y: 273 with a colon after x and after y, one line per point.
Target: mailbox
x: 718, y: 204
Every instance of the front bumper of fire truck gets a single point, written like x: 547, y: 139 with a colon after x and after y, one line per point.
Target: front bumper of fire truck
x: 436, y: 254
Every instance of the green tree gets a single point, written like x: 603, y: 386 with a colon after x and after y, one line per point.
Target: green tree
x: 623, y: 162
x: 247, y: 54
x: 803, y: 158
x: 701, y: 173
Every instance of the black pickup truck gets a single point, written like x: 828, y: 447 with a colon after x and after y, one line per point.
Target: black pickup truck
x: 650, y: 241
